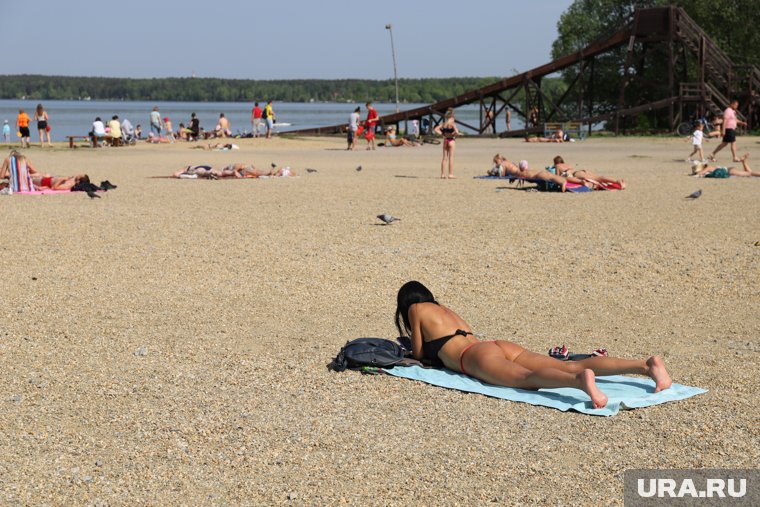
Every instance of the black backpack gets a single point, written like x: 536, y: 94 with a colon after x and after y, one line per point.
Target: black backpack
x: 377, y: 352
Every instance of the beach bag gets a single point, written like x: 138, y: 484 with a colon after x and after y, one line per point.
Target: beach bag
x: 377, y: 352
x: 47, y: 128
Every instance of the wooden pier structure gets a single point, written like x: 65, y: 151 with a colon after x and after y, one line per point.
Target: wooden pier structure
x: 698, y: 78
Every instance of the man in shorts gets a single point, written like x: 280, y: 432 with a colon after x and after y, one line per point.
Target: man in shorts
x: 256, y: 120
x: 728, y: 128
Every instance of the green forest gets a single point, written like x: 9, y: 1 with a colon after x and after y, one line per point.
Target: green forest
x: 37, y: 87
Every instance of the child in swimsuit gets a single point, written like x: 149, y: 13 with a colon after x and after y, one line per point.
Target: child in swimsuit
x: 444, y: 338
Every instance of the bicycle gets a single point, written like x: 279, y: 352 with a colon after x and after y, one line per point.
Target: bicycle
x: 687, y: 127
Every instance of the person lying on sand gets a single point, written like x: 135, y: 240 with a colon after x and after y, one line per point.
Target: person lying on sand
x: 557, y: 136
x: 237, y: 171
x: 586, y: 176
x: 701, y: 170
x: 392, y: 140
x: 443, y: 337
x: 506, y: 168
x: 40, y: 180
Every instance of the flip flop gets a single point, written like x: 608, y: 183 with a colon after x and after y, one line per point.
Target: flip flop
x: 561, y: 353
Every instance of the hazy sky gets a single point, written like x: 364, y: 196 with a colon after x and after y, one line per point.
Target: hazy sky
x: 285, y: 39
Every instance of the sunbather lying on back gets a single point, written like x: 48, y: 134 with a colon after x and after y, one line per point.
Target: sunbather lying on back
x: 40, y: 180
x: 507, y: 168
x: 584, y: 175
x: 231, y: 171
x: 197, y: 171
x: 710, y: 171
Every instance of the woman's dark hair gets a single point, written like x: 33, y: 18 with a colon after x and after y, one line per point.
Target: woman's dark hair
x: 409, y: 294
x: 558, y: 160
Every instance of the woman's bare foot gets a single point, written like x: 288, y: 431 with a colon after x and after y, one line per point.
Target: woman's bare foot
x: 744, y: 157
x: 658, y: 373
x: 622, y: 184
x: 452, y: 177
x: 588, y: 384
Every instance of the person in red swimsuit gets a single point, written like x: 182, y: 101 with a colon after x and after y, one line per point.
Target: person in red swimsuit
x: 369, y: 126
x: 443, y: 337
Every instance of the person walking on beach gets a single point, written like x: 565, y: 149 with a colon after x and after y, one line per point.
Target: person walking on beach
x: 6, y: 131
x: 353, y: 126
x: 256, y: 120
x: 448, y: 129
x: 155, y: 122
x: 42, y: 125
x: 728, y: 128
x: 369, y: 126
x: 22, y: 125
x: 269, y: 118
x: 696, y: 141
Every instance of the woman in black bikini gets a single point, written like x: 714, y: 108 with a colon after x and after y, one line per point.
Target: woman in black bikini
x: 443, y: 337
x: 448, y: 129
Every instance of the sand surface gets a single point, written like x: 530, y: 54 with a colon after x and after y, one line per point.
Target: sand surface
x: 167, y: 344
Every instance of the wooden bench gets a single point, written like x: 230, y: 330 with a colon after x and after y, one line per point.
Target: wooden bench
x: 89, y: 139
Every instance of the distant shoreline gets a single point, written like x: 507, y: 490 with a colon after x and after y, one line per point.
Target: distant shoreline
x: 194, y: 89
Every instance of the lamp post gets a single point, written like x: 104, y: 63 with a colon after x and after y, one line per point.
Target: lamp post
x: 389, y: 27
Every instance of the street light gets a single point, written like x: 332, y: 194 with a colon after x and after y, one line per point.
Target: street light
x: 389, y: 27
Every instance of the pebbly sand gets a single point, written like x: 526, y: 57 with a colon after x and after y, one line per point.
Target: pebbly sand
x: 167, y: 344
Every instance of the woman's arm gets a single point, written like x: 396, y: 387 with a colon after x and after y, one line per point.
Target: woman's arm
x: 414, y: 321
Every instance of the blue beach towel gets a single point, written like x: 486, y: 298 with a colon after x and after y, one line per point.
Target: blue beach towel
x: 623, y: 392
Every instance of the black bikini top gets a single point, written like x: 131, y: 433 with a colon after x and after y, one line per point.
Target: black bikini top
x: 431, y: 349
x: 447, y: 130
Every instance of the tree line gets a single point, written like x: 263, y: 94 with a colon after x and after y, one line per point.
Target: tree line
x: 39, y: 87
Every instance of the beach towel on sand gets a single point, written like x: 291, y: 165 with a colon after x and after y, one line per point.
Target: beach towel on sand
x: 570, y: 187
x: 623, y: 392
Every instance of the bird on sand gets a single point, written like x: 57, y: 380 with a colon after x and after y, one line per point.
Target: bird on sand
x: 358, y: 168
x: 694, y: 195
x: 388, y: 219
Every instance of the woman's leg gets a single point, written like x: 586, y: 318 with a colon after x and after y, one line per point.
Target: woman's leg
x: 42, y: 137
x: 443, y: 160
x: 487, y: 361
x: 452, y: 148
x: 653, y: 367
x: 747, y: 170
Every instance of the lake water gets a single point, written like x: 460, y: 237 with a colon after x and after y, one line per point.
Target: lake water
x: 74, y: 118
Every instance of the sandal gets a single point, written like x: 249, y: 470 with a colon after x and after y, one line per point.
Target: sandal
x: 561, y: 353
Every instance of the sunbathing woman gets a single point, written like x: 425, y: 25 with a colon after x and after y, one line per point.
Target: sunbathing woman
x: 710, y: 171
x: 443, y: 337
x: 566, y: 170
x: 557, y: 136
x: 392, y: 140
x: 507, y: 168
x: 40, y: 180
x: 197, y: 171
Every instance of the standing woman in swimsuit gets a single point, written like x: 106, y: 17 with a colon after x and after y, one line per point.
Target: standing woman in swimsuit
x: 42, y: 124
x: 443, y: 337
x: 448, y: 129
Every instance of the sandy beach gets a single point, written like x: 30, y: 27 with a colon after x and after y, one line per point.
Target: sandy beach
x: 167, y: 344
